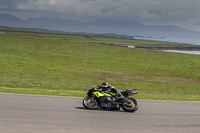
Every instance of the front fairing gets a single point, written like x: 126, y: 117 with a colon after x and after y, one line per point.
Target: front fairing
x: 98, y: 94
x: 90, y: 91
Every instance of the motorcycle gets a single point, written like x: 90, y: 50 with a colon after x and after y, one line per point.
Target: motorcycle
x: 97, y: 99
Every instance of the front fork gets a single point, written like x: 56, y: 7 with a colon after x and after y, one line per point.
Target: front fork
x: 92, y: 99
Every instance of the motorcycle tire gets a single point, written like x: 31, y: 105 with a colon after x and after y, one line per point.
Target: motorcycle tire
x: 89, y: 103
x: 132, y: 107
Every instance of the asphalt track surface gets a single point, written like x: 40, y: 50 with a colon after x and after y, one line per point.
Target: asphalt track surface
x: 52, y: 114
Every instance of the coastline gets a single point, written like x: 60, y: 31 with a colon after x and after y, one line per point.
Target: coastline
x: 191, y: 48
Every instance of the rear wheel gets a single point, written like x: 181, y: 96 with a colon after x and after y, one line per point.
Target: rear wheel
x: 131, y: 105
x: 90, y: 103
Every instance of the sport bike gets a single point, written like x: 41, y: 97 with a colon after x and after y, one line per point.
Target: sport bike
x: 99, y: 99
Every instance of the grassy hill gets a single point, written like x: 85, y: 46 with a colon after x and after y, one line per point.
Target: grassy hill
x: 67, y: 65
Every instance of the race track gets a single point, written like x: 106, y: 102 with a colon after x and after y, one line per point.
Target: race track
x: 51, y: 114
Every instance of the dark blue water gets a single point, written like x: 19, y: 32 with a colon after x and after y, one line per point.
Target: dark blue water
x: 170, y: 39
x: 185, y: 52
x: 177, y: 40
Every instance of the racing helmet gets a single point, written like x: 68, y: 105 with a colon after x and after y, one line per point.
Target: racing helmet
x: 105, y: 85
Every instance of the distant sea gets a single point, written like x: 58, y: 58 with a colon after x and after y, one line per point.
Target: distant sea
x: 177, y: 40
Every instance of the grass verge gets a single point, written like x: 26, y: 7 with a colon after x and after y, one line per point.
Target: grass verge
x: 66, y: 65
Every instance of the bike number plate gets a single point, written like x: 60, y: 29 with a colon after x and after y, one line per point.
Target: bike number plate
x: 106, y: 105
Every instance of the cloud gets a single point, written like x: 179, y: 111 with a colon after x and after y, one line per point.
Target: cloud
x: 75, y: 7
x: 3, y: 6
x: 142, y: 10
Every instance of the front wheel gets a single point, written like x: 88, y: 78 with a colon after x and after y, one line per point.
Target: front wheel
x: 90, y: 103
x: 131, y: 105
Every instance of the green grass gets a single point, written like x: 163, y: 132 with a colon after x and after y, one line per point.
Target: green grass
x: 67, y: 65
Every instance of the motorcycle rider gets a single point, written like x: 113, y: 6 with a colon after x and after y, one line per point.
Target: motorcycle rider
x: 109, y: 89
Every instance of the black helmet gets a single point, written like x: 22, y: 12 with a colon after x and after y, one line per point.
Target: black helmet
x: 105, y: 85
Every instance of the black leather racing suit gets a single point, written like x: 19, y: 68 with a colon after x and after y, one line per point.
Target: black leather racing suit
x: 111, y: 90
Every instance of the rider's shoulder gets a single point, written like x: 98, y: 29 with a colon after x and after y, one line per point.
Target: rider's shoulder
x: 112, y: 87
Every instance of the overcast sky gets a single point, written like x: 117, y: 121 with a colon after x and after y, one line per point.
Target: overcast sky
x: 185, y: 13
